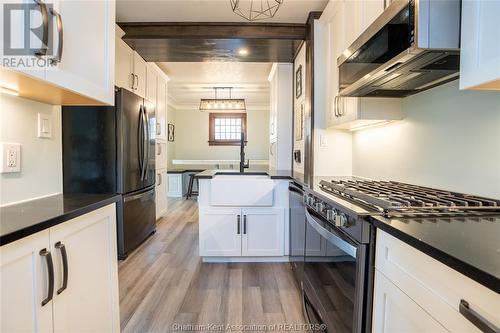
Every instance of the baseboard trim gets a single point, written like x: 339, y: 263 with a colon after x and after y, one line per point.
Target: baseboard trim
x: 245, y: 259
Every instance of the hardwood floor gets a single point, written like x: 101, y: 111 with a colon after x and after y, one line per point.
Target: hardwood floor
x: 164, y: 284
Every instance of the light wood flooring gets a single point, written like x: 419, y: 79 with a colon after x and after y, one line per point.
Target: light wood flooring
x: 164, y: 284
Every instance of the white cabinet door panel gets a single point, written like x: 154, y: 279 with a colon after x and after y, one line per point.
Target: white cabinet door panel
x: 479, y: 45
x: 263, y: 232
x: 24, y: 284
x: 90, y: 301
x: 220, y: 232
x: 161, y: 109
x: 88, y: 57
x: 151, y: 83
x: 161, y: 192
x: 140, y: 72
x: 124, y: 61
x: 395, y: 312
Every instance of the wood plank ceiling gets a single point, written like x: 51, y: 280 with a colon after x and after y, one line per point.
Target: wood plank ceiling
x: 207, y: 41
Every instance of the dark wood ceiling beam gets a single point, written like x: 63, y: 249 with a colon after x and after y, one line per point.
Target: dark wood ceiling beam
x: 211, y: 30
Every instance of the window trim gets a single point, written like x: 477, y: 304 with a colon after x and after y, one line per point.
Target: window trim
x: 211, y: 128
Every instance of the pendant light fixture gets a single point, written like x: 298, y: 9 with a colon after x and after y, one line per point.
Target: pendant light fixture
x: 253, y: 10
x: 230, y: 105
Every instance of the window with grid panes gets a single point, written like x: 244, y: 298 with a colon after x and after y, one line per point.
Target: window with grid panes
x: 225, y: 128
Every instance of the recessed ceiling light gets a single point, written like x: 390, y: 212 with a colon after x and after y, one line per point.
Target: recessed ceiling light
x: 243, y: 52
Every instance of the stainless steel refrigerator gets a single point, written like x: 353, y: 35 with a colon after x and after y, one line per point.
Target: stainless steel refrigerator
x: 111, y: 149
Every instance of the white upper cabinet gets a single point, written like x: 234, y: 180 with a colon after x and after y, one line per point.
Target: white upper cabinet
x: 161, y: 109
x: 131, y: 71
x: 124, y: 60
x: 87, y: 56
x: 280, y: 116
x: 344, y: 21
x: 480, y: 45
x: 81, y: 61
x: 140, y: 75
x: 151, y: 82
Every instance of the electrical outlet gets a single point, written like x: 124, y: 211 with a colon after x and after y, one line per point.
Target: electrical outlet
x: 10, y: 156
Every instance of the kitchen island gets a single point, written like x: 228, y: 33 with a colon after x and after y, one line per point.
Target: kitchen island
x: 242, y: 215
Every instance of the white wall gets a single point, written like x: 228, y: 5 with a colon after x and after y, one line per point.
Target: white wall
x: 41, y: 159
x: 191, y: 137
x: 449, y: 139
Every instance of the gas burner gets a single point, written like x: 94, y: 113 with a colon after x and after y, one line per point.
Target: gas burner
x: 396, y: 199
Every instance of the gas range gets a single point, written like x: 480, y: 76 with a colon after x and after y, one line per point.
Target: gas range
x: 349, y: 202
x: 396, y: 199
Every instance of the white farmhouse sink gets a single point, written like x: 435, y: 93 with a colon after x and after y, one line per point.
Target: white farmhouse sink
x: 235, y: 190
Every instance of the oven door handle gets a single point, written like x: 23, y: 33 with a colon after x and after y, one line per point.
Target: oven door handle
x: 330, y: 236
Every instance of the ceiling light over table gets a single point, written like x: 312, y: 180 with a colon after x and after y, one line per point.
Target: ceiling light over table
x: 223, y: 104
x: 253, y: 10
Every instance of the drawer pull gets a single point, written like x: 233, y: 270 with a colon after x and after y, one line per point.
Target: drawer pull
x: 479, y: 321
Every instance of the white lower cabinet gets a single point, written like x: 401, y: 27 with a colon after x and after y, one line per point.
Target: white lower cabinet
x: 248, y: 232
x: 220, y: 232
x: 88, y: 302
x: 415, y: 293
x: 23, y: 285
x: 175, y: 185
x: 395, y: 312
x: 262, y: 232
x: 161, y: 192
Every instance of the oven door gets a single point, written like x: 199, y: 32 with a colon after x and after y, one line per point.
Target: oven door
x: 335, y: 279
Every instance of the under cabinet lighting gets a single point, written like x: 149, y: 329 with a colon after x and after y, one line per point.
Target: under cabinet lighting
x: 243, y: 52
x: 9, y: 91
x: 370, y: 125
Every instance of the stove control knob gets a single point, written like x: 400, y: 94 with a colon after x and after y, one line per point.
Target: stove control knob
x: 331, y: 214
x: 320, y: 206
x: 312, y: 200
x: 341, y: 220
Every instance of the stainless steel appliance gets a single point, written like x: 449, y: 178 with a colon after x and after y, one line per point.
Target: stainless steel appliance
x: 337, y: 280
x: 413, y: 46
x: 338, y: 276
x: 111, y: 149
x: 297, y: 229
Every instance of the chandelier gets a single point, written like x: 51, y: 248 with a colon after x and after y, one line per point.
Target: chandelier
x: 223, y: 104
x: 253, y: 10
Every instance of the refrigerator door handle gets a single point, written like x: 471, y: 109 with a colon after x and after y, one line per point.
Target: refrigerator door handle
x: 146, y: 143
x: 140, y: 141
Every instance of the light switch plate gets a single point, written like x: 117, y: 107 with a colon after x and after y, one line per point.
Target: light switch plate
x: 323, y: 141
x: 10, y: 157
x: 44, y: 125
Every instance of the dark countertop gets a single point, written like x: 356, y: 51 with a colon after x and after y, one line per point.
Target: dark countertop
x: 273, y: 174
x: 469, y: 245
x: 24, y: 219
x: 184, y: 170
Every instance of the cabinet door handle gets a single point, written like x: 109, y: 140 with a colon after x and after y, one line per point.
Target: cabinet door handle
x: 45, y: 36
x: 159, y: 179
x: 159, y: 149
x: 479, y: 321
x: 133, y: 80
x: 60, y: 246
x: 158, y: 129
x: 137, y: 81
x: 50, y: 272
x: 244, y: 224
x: 336, y: 106
x: 238, y: 225
x: 58, y: 57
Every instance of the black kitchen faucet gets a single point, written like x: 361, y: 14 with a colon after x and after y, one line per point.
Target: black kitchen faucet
x: 243, y: 165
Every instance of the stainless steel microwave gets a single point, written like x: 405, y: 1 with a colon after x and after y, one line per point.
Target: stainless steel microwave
x: 412, y: 46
